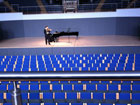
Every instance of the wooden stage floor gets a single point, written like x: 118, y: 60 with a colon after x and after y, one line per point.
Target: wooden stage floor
x: 82, y: 41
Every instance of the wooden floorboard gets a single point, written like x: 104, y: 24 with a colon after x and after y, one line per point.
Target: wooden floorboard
x: 82, y: 41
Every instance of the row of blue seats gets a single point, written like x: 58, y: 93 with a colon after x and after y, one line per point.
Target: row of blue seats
x: 80, y: 56
x: 69, y: 67
x: 71, y: 97
x: 71, y: 82
x: 75, y: 87
x: 65, y: 69
x: 54, y: 59
x: 75, y: 56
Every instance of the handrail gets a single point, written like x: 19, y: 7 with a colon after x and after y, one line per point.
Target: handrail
x: 70, y: 75
x: 16, y: 95
x: 19, y: 8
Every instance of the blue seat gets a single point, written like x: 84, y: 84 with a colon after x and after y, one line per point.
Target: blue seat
x: 124, y: 96
x: 116, y: 82
x: 75, y: 69
x: 111, y: 69
x: 24, y: 96
x: 136, y: 82
x: 125, y: 87
x: 120, y: 67
x: 10, y: 87
x: 3, y: 87
x: 71, y: 64
x: 7, y: 103
x: 135, y: 96
x: 2, y: 69
x: 45, y: 87
x: 47, y: 95
x: 94, y: 82
x: 34, y: 82
x: 42, y: 69
x: 136, y: 87
x: 72, y: 95
x: 79, y: 64
x: 126, y: 82
x: 85, y: 95
x: 17, y: 69
x: 84, y: 68
x: 101, y: 87
x: 92, y: 104
x: 34, y: 103
x: 60, y: 95
x: 56, y: 87
x: 74, y: 82
x: 113, y: 87
x: 67, y: 87
x: 134, y: 104
x: 84, y: 82
x: 43, y: 82
x: 98, y: 96
x: 93, y: 68
x: 49, y: 104
x: 34, y: 69
x: 9, y: 69
x: 49, y: 68
x: 34, y: 95
x: 24, y: 83
x: 1, y: 96
x: 25, y: 69
x: 78, y: 87
x: 112, y: 66
x: 34, y: 87
x: 91, y: 87
x: 110, y: 97
x: 128, y: 67
x: 59, y: 69
x: 8, y: 95
x: 63, y: 103
x: 24, y: 87
x: 101, y: 68
x: 64, y: 82
x: 67, y: 69
x: 55, y: 82
x: 76, y: 103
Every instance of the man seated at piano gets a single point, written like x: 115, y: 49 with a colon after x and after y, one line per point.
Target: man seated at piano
x: 47, y: 32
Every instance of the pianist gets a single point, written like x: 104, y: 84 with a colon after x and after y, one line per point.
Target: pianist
x: 47, y: 32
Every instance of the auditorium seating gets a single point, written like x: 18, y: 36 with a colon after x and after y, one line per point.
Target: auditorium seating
x: 137, y: 5
x: 23, y: 2
x: 56, y: 6
x: 3, y: 8
x: 75, y: 62
x: 73, y: 92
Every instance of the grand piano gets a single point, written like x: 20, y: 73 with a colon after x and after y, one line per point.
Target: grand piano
x: 56, y: 35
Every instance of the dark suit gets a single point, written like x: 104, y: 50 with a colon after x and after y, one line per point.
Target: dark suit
x: 47, y: 37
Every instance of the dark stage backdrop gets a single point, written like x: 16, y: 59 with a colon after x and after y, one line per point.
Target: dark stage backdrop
x: 127, y: 26
x: 85, y: 26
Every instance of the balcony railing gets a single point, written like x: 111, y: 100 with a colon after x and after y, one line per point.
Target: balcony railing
x: 16, y: 76
x: 60, y: 8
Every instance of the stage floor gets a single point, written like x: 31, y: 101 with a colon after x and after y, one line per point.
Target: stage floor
x: 82, y: 41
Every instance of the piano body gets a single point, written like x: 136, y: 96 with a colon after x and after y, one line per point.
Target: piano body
x: 58, y: 34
